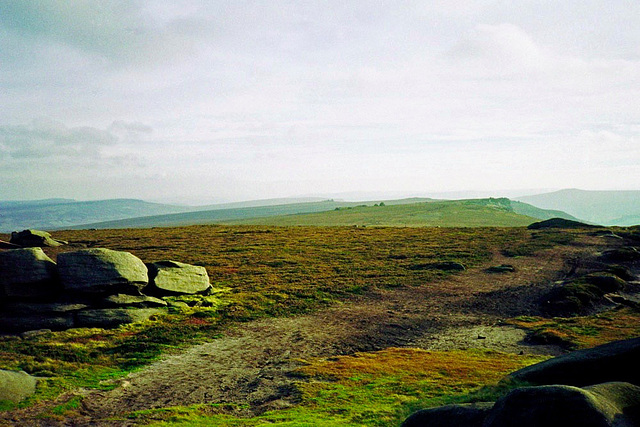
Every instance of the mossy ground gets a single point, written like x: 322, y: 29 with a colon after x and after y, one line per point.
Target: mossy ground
x: 369, y: 389
x: 582, y: 331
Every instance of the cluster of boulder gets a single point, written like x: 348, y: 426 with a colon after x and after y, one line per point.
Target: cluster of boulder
x: 598, y: 387
x: 87, y: 288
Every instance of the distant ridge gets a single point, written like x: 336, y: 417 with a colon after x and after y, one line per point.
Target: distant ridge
x: 602, y: 207
x: 61, y: 213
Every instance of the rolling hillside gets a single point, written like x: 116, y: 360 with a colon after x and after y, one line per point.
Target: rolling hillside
x: 63, y: 213
x: 454, y: 213
x: 601, y: 207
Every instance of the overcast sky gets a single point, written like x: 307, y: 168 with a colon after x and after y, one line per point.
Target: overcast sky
x: 205, y: 101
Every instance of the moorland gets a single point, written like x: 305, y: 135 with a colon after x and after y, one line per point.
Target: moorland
x: 325, y: 326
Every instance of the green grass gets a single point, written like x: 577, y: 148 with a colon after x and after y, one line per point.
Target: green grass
x: 455, y: 213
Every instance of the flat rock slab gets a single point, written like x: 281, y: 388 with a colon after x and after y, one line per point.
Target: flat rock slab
x: 172, y: 277
x: 102, y: 270
x: 124, y: 300
x: 28, y: 322
x: 27, y: 273
x: 113, y: 317
x: 16, y: 385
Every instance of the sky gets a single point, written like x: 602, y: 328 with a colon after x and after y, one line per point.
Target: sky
x: 213, y: 100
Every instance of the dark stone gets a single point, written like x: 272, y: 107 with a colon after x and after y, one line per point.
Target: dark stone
x: 559, y: 223
x: 605, y: 281
x: 602, y: 405
x: 42, y: 308
x: 615, y: 361
x: 628, y: 253
x: 7, y: 245
x: 34, y: 238
x: 113, y: 317
x: 28, y: 273
x: 469, y: 415
x: 503, y: 268
x: 29, y: 322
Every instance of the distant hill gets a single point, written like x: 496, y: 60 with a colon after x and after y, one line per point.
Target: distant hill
x: 451, y: 213
x: 62, y: 213
x: 601, y: 207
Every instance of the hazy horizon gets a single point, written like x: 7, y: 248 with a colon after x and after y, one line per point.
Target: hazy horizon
x: 228, y: 101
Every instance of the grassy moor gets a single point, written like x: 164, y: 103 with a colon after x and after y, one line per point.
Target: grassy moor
x: 323, y: 325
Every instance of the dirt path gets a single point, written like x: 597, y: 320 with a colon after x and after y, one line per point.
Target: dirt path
x: 253, y: 362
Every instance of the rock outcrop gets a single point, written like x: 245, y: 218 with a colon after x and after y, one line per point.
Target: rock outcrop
x: 615, y: 361
x: 87, y: 288
x: 102, y: 271
x: 172, y: 277
x: 559, y: 223
x: 16, y: 385
x: 34, y: 238
x: 27, y: 273
x: 597, y: 387
x: 601, y: 405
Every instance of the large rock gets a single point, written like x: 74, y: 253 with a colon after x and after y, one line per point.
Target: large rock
x: 602, y: 405
x: 467, y: 415
x: 101, y: 270
x: 615, y: 361
x: 113, y: 317
x: 34, y: 238
x: 15, y: 386
x: 559, y: 223
x: 27, y: 273
x: 171, y: 278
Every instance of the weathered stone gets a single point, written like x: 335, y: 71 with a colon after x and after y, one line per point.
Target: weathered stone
x: 606, y: 282
x: 615, y: 361
x: 559, y: 223
x: 113, y: 317
x: 34, y: 238
x: 467, y: 415
x: 602, y: 405
x: 34, y: 333
x: 29, y: 322
x: 42, y: 308
x: 102, y: 271
x: 28, y: 273
x: 7, y: 245
x: 628, y: 253
x: 171, y: 278
x: 502, y: 268
x: 133, y: 301
x: 16, y: 385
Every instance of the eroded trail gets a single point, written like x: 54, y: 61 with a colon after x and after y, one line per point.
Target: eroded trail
x: 253, y: 362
